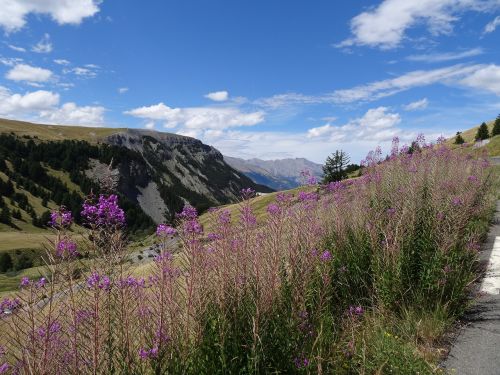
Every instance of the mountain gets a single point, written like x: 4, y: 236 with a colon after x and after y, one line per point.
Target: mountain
x: 278, y: 174
x: 155, y: 173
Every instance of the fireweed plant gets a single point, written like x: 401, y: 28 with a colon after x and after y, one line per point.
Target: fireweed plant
x: 292, y: 294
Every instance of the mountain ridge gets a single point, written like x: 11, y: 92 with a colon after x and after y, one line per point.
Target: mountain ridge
x: 280, y: 174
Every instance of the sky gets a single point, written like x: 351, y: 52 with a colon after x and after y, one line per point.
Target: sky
x: 263, y: 78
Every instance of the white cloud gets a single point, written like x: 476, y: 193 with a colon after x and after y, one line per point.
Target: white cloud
x: 150, y: 125
x: 377, y: 124
x: 16, y: 48
x: 418, y: 105
x: 62, y: 62
x: 122, y: 90
x: 82, y: 72
x: 14, y: 104
x: 218, y: 96
x: 320, y: 131
x: 385, y: 25
x: 44, y: 45
x: 71, y: 114
x: 446, y: 56
x: 198, y: 117
x: 24, y: 72
x: 10, y: 61
x: 485, y: 78
x: 452, y: 75
x: 43, y: 106
x: 388, y: 87
x: 282, y: 100
x: 492, y: 26
x: 14, y: 12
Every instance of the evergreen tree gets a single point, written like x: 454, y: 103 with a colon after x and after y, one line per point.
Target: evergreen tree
x: 496, y: 127
x: 5, y: 216
x: 5, y: 262
x: 335, y: 167
x: 482, y: 132
x: 16, y: 214
x: 459, y: 139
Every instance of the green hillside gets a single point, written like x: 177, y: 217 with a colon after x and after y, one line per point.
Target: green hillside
x: 56, y: 132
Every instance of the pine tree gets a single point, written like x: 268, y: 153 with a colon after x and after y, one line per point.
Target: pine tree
x: 496, y: 127
x: 5, y: 216
x: 482, y: 132
x: 459, y: 139
x: 5, y: 262
x: 335, y: 167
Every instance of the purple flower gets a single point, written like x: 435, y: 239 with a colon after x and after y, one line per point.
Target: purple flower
x: 4, y: 367
x: 305, y: 196
x: 224, y: 217
x: 247, y: 193
x: 356, y: 310
x: 143, y: 353
x: 97, y: 281
x: 325, y: 256
x: 247, y: 216
x: 440, y: 215
x: 214, y: 236
x: 61, y: 218
x: 188, y: 213
x: 41, y: 283
x: 105, y: 213
x: 25, y: 282
x: 8, y: 305
x: 473, y: 179
x: 391, y: 211
x: 66, y: 249
x: 273, y: 209
x: 193, y: 227
x: 164, y: 230
x: 301, y: 362
x: 148, y: 353
x: 457, y: 201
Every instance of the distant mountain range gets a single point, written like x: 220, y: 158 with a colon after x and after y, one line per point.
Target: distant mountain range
x: 278, y: 174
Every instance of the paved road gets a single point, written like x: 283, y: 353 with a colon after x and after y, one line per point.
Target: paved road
x: 476, y: 350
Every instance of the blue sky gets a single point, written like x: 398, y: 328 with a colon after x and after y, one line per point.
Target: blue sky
x: 269, y: 79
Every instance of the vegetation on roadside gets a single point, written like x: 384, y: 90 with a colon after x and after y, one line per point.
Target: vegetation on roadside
x: 357, y: 276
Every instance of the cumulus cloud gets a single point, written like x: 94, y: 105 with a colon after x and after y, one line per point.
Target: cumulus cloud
x: 385, y: 26
x: 198, y: 117
x: 44, y: 106
x: 377, y: 124
x: 446, y: 56
x: 218, y: 96
x: 24, y: 72
x: 44, y: 45
x: 418, y: 105
x: 492, y: 26
x: 486, y: 78
x: 71, y: 114
x: 12, y: 104
x: 14, y: 12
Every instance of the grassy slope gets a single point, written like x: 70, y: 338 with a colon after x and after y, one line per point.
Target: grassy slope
x: 493, y: 147
x: 55, y: 132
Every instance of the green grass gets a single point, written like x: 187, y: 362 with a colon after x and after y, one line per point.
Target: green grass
x: 259, y: 206
x: 56, y: 132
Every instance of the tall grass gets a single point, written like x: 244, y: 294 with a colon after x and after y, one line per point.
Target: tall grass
x: 337, y: 280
